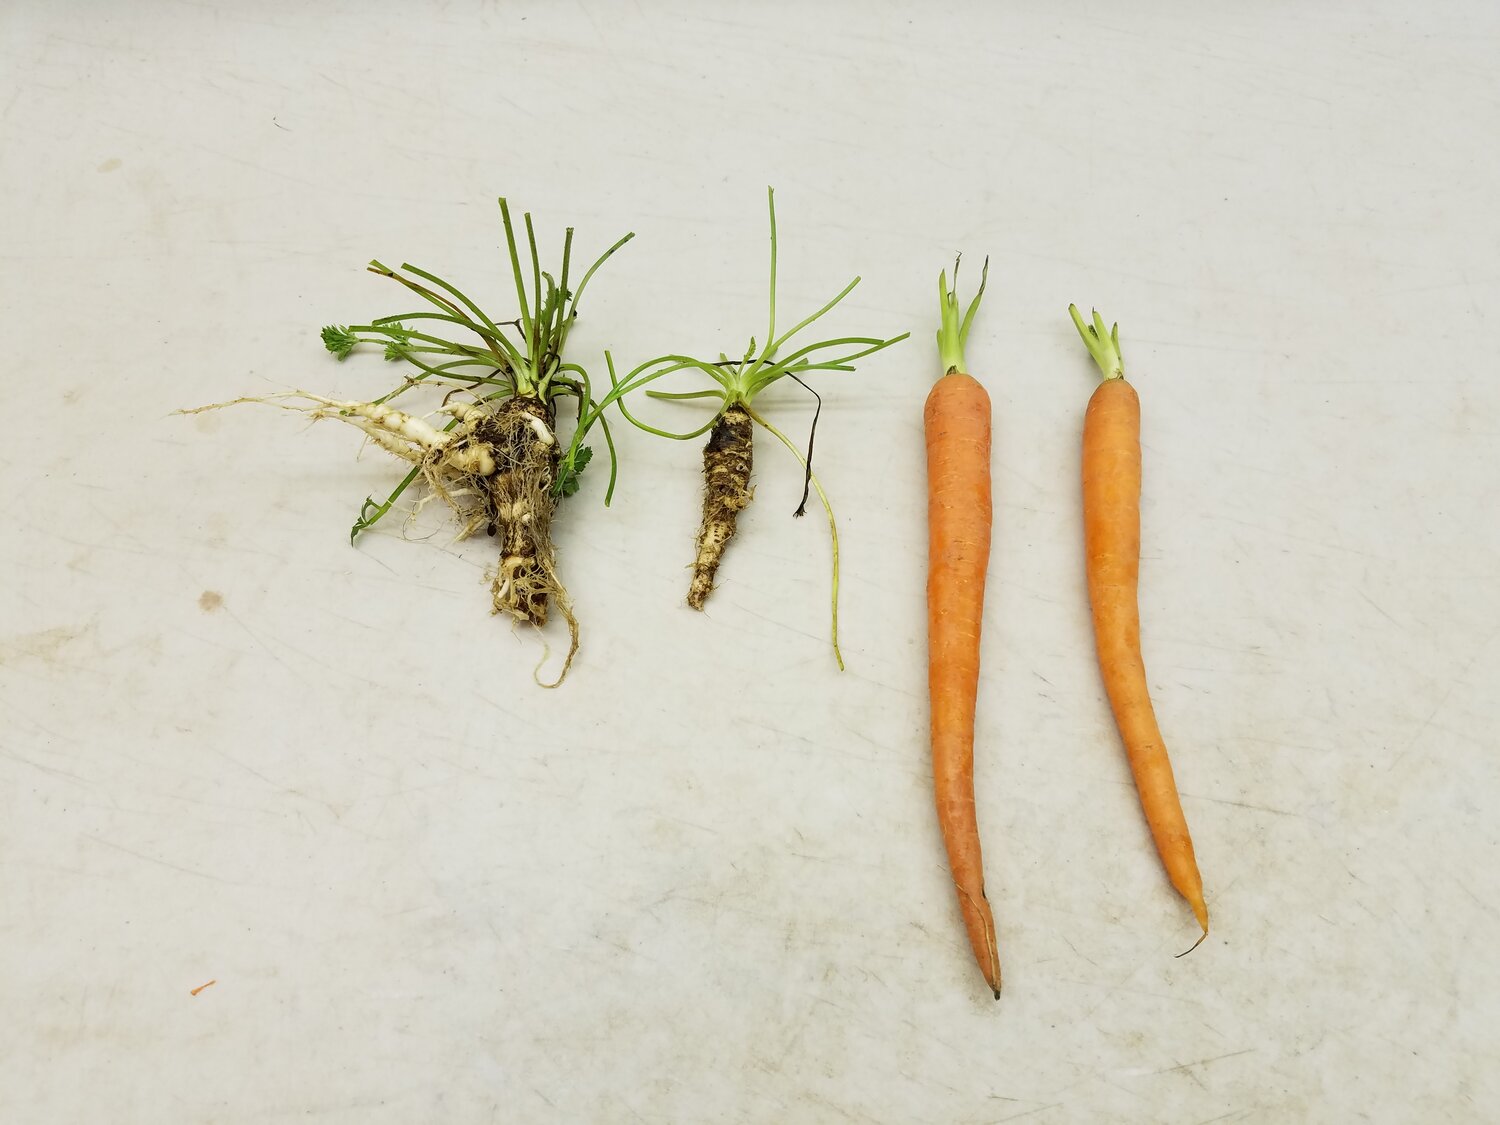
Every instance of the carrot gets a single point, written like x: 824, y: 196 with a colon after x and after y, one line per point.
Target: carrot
x: 1112, y: 536
x: 959, y: 517
x: 729, y: 456
x: 499, y: 461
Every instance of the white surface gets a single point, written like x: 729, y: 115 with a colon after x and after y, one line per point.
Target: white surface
x: 703, y: 881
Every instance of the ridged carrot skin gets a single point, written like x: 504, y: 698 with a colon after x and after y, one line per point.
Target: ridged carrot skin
x: 959, y: 518
x: 1112, y: 543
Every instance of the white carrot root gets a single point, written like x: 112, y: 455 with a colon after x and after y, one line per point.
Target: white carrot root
x: 543, y: 434
x: 383, y: 424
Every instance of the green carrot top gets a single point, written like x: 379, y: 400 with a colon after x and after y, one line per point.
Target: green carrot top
x: 954, y: 332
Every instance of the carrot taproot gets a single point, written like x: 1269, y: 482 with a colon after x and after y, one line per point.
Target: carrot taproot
x: 729, y: 456
x: 959, y: 518
x: 1112, y: 544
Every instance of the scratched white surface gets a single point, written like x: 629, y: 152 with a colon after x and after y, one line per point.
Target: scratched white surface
x: 703, y: 882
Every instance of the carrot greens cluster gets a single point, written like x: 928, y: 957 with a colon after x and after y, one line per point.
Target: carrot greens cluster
x: 530, y: 366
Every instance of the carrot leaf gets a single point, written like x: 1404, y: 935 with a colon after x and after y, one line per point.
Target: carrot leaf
x: 338, y: 340
x: 567, y: 476
x: 953, y: 333
x: 1103, y: 343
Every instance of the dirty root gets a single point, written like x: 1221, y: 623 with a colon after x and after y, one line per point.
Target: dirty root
x: 726, y: 492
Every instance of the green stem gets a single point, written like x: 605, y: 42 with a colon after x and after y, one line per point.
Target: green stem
x: 421, y: 314
x: 537, y: 327
x: 567, y: 325
x: 868, y: 343
x: 442, y: 371
x: 515, y: 267
x: 441, y: 284
x: 473, y: 357
x: 954, y: 332
x: 771, y: 331
x: 381, y: 323
x: 689, y: 436
x: 609, y: 443
x: 494, y: 338
x: 679, y: 396
x: 829, y: 307
x: 833, y: 530
x: 426, y: 294
x: 796, y: 363
x: 634, y: 381
x: 371, y: 513
x: 562, y: 288
x: 398, y: 334
x: 1103, y: 345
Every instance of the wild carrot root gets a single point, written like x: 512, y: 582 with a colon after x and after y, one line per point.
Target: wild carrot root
x: 518, y: 501
x: 496, y: 468
x: 734, y: 384
x: 727, y: 461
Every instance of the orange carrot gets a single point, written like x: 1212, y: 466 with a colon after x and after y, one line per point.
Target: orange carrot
x: 959, y: 516
x: 1112, y: 538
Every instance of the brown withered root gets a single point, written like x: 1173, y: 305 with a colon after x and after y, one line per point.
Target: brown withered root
x: 727, y: 462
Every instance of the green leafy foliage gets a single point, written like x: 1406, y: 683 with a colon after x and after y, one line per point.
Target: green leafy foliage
x: 339, y: 340
x: 492, y: 359
x: 399, y: 342
x: 569, y: 471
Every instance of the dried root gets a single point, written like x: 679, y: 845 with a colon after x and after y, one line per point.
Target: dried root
x: 727, y: 462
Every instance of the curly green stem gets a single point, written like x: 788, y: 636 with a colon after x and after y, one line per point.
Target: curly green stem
x: 833, y: 530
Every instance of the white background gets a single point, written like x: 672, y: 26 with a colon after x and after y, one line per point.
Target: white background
x: 703, y: 880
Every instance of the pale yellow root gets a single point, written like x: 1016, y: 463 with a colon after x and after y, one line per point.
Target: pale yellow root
x: 382, y: 423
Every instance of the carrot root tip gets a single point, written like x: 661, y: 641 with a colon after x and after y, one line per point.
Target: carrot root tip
x: 1201, y: 939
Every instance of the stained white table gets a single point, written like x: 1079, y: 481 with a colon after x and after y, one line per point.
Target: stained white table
x: 703, y: 881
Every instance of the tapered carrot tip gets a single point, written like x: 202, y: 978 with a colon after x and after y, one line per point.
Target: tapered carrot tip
x: 991, y: 972
x: 1200, y: 912
x: 1190, y: 886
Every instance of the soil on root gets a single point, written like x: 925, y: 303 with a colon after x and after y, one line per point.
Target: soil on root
x: 518, y: 502
x: 727, y: 461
